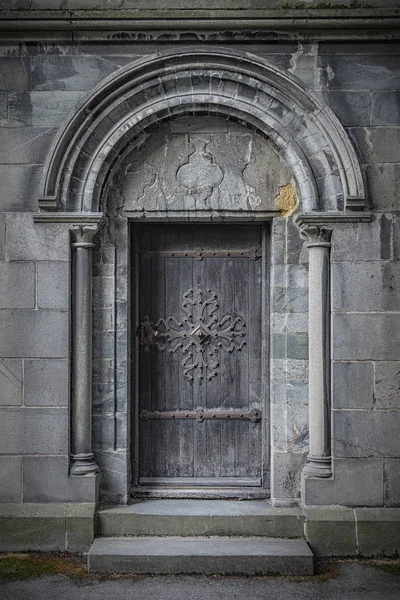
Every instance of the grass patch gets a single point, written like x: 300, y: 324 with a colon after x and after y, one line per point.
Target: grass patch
x: 15, y: 567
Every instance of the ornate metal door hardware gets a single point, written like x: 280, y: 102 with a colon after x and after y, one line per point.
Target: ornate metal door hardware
x: 253, y: 253
x: 200, y: 416
x: 200, y: 335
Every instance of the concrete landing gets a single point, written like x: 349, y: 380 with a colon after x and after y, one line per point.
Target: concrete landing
x: 157, y: 555
x: 200, y: 517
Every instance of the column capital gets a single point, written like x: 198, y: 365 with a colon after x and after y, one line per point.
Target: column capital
x: 82, y: 234
x: 316, y: 234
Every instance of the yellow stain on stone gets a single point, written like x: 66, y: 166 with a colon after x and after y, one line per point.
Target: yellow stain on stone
x: 286, y: 200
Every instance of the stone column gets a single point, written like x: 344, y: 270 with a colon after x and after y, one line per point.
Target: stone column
x: 82, y: 458
x: 319, y: 462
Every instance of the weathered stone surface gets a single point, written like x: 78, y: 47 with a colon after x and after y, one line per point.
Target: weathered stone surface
x: 297, y: 346
x: 366, y: 286
x: 30, y: 333
x: 46, y: 382
x: 114, y: 467
x: 289, y: 369
x: 364, y: 72
x: 365, y: 433
x: 46, y: 479
x: 296, y: 435
x: 10, y: 479
x: 355, y: 482
x: 385, y: 108
x: 2, y: 235
x: 3, y: 108
x: 331, y: 532
x: 286, y: 476
x: 36, y: 241
x: 17, y: 285
x: 352, y: 108
x: 363, y: 241
x: 41, y: 109
x: 14, y: 73
x: 237, y: 171
x: 377, y: 145
x: 378, y: 531
x: 103, y: 291
x: 20, y: 187
x: 80, y: 522
x: 32, y: 527
x: 103, y: 319
x: 369, y: 336
x: 72, y: 73
x: 33, y: 430
x: 103, y: 344
x: 25, y: 145
x: 53, y: 285
x: 387, y: 385
x: 384, y: 182
x: 353, y: 385
x: 291, y: 300
x: 392, y: 482
x: 10, y: 382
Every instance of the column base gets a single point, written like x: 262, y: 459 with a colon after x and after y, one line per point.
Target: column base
x: 83, y: 464
x: 318, y: 466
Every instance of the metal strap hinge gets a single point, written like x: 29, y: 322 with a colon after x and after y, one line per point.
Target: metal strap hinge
x: 200, y: 416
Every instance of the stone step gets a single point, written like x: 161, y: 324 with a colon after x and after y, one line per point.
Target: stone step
x: 174, y: 555
x: 201, y: 517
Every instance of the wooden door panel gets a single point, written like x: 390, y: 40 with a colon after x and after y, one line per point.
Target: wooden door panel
x: 222, y: 375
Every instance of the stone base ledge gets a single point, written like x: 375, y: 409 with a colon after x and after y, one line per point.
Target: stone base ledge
x: 47, y: 527
x: 343, y: 531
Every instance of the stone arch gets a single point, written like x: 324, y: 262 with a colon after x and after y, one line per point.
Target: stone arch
x: 240, y: 86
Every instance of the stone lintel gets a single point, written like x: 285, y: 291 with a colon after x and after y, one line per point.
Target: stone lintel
x: 68, y: 217
x: 324, y: 218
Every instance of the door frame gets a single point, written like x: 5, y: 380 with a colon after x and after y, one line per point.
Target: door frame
x: 175, y: 492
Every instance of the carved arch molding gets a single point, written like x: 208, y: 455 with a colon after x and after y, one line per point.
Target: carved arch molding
x: 240, y: 86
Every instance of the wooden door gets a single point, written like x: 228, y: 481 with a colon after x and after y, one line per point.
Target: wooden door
x: 200, y: 413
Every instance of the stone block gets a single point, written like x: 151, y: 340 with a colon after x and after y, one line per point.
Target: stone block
x: 33, y: 430
x: 278, y: 345
x: 378, y: 531
x: 297, y: 275
x: 286, y: 468
x: 384, y: 182
x: 46, y: 382
x: 17, y: 285
x: 80, y: 527
x: 10, y: 382
x: 103, y: 344
x: 396, y: 236
x: 331, y: 531
x: 289, y: 369
x: 72, y: 73
x: 387, y: 385
x: 368, y: 336
x: 385, y: 109
x: 33, y: 333
x: 361, y: 72
x: 36, y: 527
x: 25, y: 145
x: 103, y: 319
x: 352, y: 108
x: 363, y: 241
x: 53, y: 284
x: 15, y: 73
x: 353, y: 385
x: 46, y: 479
x: 3, y: 108
x: 297, y: 346
x: 10, y: 479
x: 392, y: 482
x: 104, y: 433
x: 2, y: 235
x: 361, y: 433
x: 36, y: 241
x: 41, y: 109
x: 355, y: 482
x: 366, y: 286
x: 20, y: 187
x: 297, y: 323
x: 103, y: 291
x: 103, y: 261
x: 114, y: 467
x: 377, y: 144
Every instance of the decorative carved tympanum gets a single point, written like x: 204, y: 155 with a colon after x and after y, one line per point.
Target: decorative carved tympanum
x: 199, y: 335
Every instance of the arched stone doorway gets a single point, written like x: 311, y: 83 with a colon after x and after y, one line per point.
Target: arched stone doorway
x: 243, y: 89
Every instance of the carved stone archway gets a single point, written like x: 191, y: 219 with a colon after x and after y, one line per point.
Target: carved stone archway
x: 244, y: 88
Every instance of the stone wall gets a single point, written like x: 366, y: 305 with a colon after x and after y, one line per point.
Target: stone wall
x: 40, y: 85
